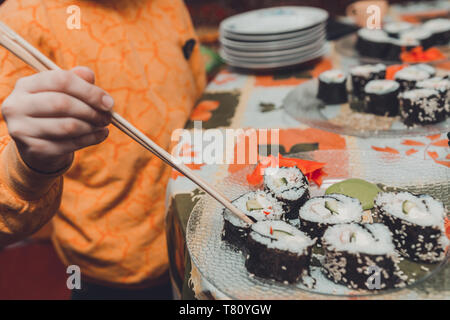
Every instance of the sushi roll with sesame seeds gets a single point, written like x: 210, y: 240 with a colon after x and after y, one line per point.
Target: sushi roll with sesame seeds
x: 361, y: 75
x: 416, y: 223
x: 422, y: 106
x: 381, y: 97
x: 440, y: 28
x: 409, y: 76
x: 318, y: 213
x: 289, y: 186
x: 356, y: 255
x: 394, y: 29
x: 276, y: 250
x: 333, y: 87
x: 257, y: 205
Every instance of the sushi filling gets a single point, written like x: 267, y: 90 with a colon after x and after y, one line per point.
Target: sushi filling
x: 320, y: 212
x: 354, y: 253
x: 258, y: 206
x: 289, y: 186
x: 417, y: 224
x: 277, y: 250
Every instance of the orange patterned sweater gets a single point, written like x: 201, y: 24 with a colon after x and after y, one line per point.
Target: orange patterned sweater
x: 110, y: 220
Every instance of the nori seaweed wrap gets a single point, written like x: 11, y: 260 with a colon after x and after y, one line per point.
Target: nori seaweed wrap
x: 381, y: 97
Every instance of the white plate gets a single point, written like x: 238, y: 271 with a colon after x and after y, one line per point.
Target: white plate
x: 274, y: 53
x: 273, y: 44
x: 274, y: 37
x: 274, y: 20
x: 276, y: 64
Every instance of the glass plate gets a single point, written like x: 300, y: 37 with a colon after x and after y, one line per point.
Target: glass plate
x: 223, y: 267
x: 301, y: 104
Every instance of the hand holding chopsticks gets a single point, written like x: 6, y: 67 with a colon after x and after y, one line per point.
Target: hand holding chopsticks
x: 34, y: 58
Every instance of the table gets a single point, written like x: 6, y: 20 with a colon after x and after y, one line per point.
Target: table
x: 235, y: 100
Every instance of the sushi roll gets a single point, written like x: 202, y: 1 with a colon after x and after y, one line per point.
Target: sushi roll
x: 440, y: 28
x: 257, y: 205
x: 421, y: 35
x: 397, y: 46
x: 416, y: 223
x: 422, y: 106
x: 333, y: 87
x: 381, y: 97
x: 394, y: 29
x: 409, y: 76
x: 355, y: 252
x: 289, y: 186
x: 276, y: 250
x: 362, y: 74
x: 442, y: 85
x: 318, y: 213
x: 372, y: 43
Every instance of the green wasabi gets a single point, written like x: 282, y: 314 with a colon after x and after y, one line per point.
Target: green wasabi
x: 360, y: 189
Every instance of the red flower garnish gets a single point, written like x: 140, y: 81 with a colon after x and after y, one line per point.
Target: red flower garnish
x: 271, y: 230
x: 419, y: 55
x: 266, y: 213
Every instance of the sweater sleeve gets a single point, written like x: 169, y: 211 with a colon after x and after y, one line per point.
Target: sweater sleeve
x: 28, y: 199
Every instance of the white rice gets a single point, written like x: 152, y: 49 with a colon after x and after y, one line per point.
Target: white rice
x: 418, y: 94
x: 354, y: 238
x: 436, y: 83
x: 412, y: 74
x: 397, y: 27
x: 333, y: 76
x: 428, y: 211
x: 349, y: 210
x: 272, y: 209
x: 295, y: 187
x: 374, y: 35
x: 415, y: 34
x: 297, y: 243
x: 368, y: 69
x: 381, y: 86
x: 437, y: 25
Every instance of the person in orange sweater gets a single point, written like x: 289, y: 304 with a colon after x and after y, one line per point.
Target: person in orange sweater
x: 103, y: 192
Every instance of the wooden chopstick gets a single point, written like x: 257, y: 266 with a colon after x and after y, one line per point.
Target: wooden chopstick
x: 38, y: 61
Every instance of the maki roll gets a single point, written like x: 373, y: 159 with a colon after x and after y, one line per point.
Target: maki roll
x: 363, y: 74
x: 422, y: 106
x: 381, y: 97
x: 409, y: 76
x: 416, y: 223
x: 276, y: 250
x: 442, y: 85
x: 421, y: 35
x: 440, y: 28
x: 318, y: 213
x: 372, y: 43
x: 257, y: 205
x: 397, y: 46
x: 354, y: 253
x: 394, y: 29
x: 333, y: 87
x: 289, y: 186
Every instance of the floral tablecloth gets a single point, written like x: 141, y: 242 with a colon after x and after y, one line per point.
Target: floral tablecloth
x: 234, y: 100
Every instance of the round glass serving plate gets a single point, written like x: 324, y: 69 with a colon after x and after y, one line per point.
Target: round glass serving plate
x: 224, y: 267
x: 303, y: 105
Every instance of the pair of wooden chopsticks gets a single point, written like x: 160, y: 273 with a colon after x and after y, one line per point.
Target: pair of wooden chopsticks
x: 38, y: 61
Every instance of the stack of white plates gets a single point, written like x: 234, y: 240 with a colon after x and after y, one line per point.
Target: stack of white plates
x: 274, y: 37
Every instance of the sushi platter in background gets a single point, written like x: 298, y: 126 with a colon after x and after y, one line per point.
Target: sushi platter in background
x: 387, y: 44
x: 383, y: 100
x: 273, y: 38
x: 327, y: 239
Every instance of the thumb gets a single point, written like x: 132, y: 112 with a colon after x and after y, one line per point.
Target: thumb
x: 84, y: 73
